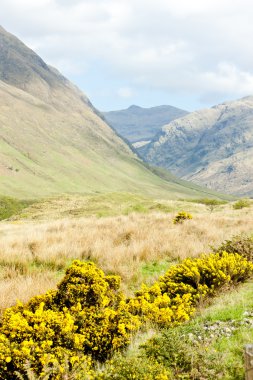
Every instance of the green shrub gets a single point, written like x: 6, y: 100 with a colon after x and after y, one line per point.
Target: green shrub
x: 188, y: 355
x: 171, y: 349
x: 240, y: 244
x: 241, y: 203
x: 211, y: 203
x: 181, y: 217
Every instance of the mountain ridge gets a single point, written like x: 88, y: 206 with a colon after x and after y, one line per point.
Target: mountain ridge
x: 141, y: 124
x: 211, y: 147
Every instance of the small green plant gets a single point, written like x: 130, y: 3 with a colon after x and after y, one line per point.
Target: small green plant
x: 241, y: 203
x: 138, y: 368
x: 171, y: 349
x: 181, y: 217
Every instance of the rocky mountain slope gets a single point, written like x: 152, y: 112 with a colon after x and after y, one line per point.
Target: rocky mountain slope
x: 138, y: 124
x: 212, y: 147
x: 53, y: 141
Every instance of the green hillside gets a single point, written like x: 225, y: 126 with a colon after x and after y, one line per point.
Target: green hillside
x: 52, y: 140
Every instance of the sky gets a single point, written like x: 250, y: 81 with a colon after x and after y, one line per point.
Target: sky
x: 190, y: 54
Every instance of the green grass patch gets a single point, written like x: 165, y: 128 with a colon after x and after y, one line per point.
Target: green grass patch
x: 100, y: 205
x: 155, y: 268
x: 11, y: 206
x: 230, y: 305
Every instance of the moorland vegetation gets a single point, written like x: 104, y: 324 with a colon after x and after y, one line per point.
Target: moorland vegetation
x: 90, y: 326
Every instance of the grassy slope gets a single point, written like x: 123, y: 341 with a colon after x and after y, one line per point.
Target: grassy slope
x: 192, y: 187
x: 46, y: 151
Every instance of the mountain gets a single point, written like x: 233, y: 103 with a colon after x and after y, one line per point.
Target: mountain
x: 137, y: 124
x: 211, y: 147
x: 53, y: 141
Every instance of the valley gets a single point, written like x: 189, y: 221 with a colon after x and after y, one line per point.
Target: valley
x: 112, y: 267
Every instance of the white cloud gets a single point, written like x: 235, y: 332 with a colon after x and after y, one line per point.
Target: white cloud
x: 125, y: 92
x: 196, y: 47
x: 229, y: 78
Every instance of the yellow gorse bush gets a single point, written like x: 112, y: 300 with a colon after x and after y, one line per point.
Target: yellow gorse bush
x: 203, y: 276
x: 87, y: 318
x: 151, y: 304
x: 173, y: 298
x: 84, y: 319
x: 181, y: 217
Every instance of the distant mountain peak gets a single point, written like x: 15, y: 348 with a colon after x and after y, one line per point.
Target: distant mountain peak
x: 138, y: 124
x: 133, y: 107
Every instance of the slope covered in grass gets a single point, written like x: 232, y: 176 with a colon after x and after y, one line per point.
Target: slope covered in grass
x: 53, y: 141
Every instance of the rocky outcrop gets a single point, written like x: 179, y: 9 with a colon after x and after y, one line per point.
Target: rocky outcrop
x: 212, y: 147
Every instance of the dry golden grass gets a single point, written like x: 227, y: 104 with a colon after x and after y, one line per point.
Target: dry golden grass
x: 34, y: 254
x: 23, y: 287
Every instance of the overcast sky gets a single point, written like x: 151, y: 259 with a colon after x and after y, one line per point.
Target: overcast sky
x: 186, y: 53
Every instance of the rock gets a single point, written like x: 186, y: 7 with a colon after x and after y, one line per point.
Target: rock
x: 212, y: 147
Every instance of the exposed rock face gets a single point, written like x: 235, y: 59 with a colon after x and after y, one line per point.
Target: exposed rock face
x: 138, y: 124
x: 212, y: 147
